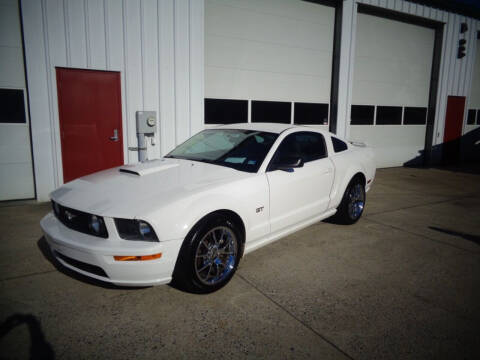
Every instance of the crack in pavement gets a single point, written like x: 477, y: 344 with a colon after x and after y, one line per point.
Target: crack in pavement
x: 27, y: 275
x: 269, y: 298
x: 419, y: 205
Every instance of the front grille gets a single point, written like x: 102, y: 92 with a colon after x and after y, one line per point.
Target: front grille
x: 92, y: 269
x: 78, y: 220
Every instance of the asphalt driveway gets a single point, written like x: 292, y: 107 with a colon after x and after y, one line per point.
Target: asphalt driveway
x: 404, y: 282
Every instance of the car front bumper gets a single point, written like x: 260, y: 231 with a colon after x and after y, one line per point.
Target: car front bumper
x: 94, y: 257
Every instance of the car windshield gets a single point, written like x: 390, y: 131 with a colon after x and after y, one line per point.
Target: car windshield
x: 243, y: 150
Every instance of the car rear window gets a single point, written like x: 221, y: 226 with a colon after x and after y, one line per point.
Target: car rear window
x: 339, y: 145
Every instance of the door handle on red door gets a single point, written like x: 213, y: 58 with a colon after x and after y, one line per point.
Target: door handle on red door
x: 115, y: 135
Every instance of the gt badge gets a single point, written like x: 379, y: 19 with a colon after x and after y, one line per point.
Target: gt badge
x: 259, y: 209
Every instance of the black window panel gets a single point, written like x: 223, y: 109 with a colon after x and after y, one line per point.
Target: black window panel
x: 12, y: 106
x: 338, y: 145
x: 389, y: 115
x: 226, y: 111
x: 362, y: 114
x: 310, y: 114
x: 472, y: 113
x: 307, y: 145
x: 415, y: 116
x: 271, y: 111
x: 478, y: 117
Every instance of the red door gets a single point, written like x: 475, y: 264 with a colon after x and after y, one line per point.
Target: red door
x: 453, y: 129
x: 89, y: 104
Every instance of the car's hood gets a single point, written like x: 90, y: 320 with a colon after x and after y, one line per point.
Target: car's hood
x: 132, y: 190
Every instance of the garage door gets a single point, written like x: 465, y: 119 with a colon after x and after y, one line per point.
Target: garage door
x: 391, y: 85
x: 471, y: 136
x: 268, y: 61
x: 16, y: 174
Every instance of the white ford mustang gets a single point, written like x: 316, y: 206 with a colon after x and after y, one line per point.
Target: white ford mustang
x: 190, y: 216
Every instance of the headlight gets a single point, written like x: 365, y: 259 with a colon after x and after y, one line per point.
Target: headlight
x: 97, y: 227
x: 95, y: 224
x: 137, y: 230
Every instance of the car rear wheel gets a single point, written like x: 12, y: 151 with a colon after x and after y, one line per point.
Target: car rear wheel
x: 209, y: 256
x: 353, y: 203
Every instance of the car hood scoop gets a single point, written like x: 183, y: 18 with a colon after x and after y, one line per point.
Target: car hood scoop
x: 146, y: 168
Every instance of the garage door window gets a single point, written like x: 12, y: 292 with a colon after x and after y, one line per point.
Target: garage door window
x: 271, y: 111
x: 310, y: 114
x: 225, y: 111
x: 12, y: 106
x: 389, y: 115
x: 362, y: 114
x: 415, y: 116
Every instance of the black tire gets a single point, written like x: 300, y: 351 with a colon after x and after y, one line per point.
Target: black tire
x: 200, y: 269
x: 353, y: 203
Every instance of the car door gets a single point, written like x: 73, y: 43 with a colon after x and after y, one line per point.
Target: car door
x: 303, y: 193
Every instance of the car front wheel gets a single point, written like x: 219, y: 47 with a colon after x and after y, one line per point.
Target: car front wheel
x: 209, y: 256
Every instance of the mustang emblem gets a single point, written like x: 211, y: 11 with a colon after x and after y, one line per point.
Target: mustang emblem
x: 69, y: 215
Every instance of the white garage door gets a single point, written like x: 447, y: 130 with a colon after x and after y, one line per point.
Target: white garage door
x: 473, y: 117
x: 16, y: 175
x: 268, y: 60
x: 392, y: 71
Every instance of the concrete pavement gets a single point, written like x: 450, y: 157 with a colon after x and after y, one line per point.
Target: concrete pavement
x: 404, y: 282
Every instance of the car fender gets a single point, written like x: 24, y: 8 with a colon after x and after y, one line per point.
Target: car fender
x: 343, y: 177
x: 244, y: 197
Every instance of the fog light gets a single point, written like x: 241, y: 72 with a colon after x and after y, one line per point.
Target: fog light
x: 138, y: 258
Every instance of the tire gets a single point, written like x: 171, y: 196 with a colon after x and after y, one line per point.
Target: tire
x: 353, y: 203
x: 209, y: 255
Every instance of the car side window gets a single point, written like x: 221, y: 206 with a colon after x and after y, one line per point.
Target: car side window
x: 309, y: 146
x: 338, y: 145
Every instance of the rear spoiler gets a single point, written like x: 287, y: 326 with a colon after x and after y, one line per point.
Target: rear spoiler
x: 358, y: 143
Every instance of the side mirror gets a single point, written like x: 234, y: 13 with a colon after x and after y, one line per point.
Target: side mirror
x: 288, y: 164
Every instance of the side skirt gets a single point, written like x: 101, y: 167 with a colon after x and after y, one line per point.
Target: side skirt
x: 249, y: 247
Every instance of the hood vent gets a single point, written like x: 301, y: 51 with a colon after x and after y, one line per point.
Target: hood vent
x: 147, y: 168
x: 129, y: 172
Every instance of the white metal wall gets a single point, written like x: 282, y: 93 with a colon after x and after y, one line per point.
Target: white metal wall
x: 16, y: 175
x: 455, y: 74
x: 157, y: 45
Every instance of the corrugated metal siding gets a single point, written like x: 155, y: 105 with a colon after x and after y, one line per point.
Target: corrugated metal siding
x: 157, y: 45
x: 455, y: 74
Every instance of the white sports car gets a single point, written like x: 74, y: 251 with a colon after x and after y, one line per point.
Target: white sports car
x: 191, y: 216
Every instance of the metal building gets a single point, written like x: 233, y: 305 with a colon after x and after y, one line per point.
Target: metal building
x: 402, y: 76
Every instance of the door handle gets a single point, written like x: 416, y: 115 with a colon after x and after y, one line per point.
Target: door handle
x: 115, y: 135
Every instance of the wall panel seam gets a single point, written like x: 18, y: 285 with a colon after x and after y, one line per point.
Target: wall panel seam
x: 105, y: 30
x: 87, y: 33
x: 125, y: 77
x: 66, y: 25
x: 142, y: 52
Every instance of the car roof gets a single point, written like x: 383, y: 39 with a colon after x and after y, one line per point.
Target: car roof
x: 269, y: 127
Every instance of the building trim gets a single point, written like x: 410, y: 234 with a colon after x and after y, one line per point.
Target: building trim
x: 335, y: 82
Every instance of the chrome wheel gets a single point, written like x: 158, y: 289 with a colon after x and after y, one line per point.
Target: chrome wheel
x: 216, y: 255
x: 356, y: 201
